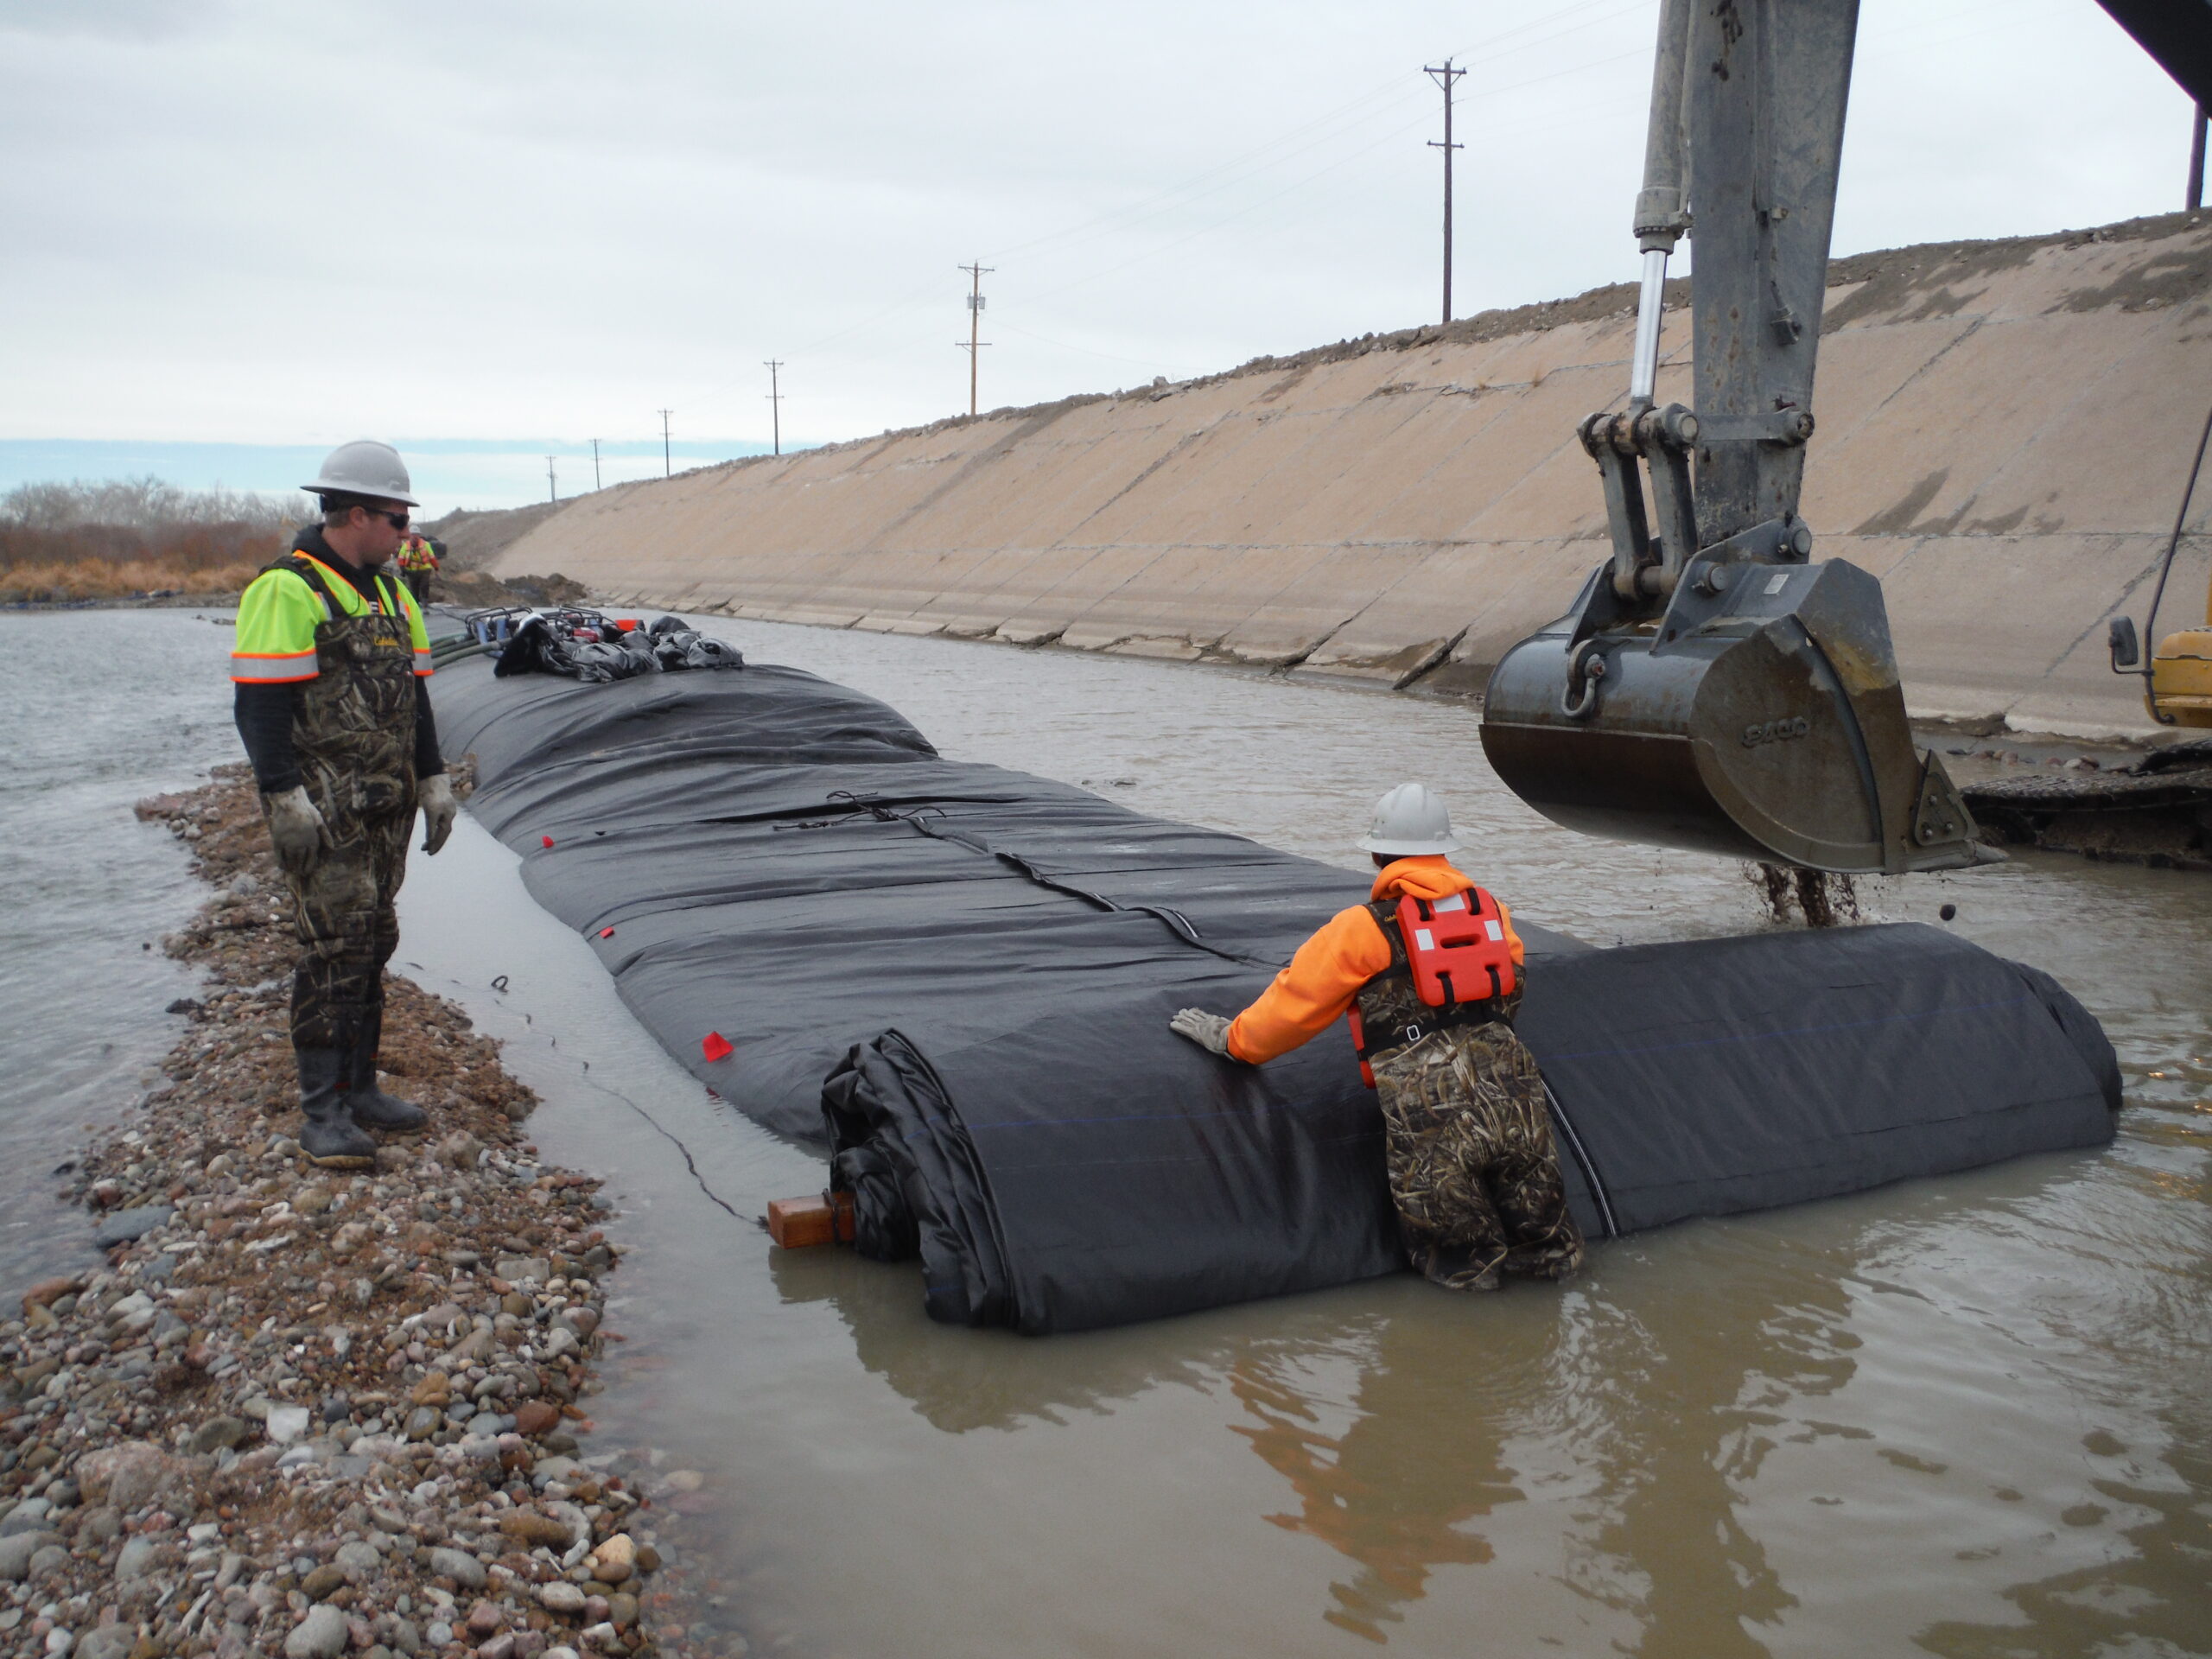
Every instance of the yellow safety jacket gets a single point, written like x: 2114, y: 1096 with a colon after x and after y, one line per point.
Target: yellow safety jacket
x: 279, y: 613
x: 416, y: 554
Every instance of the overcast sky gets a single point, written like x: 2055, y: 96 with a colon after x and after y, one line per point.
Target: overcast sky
x: 242, y: 222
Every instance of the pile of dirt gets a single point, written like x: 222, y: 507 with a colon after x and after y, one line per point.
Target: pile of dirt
x: 472, y: 539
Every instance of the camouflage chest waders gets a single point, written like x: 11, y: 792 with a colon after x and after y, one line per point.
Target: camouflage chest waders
x: 354, y: 731
x: 1474, y: 1174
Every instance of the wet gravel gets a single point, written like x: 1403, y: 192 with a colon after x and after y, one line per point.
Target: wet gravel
x: 311, y: 1413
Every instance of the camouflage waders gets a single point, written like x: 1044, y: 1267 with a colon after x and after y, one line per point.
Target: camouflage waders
x: 354, y: 732
x: 1474, y: 1174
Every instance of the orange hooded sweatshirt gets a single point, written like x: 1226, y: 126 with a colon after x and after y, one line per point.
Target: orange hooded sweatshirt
x: 1314, y: 992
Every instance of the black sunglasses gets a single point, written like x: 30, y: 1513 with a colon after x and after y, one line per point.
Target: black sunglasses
x: 397, y: 520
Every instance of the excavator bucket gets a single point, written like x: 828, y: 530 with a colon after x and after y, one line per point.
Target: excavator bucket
x: 1757, y: 716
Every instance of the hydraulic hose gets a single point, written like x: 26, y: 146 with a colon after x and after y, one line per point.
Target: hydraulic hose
x: 2165, y: 570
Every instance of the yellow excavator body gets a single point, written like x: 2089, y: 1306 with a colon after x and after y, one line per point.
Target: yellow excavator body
x: 2181, y: 678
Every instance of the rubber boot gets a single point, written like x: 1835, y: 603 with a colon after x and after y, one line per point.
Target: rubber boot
x: 372, y: 1109
x: 331, y: 1139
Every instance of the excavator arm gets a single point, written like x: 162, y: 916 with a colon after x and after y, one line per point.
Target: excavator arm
x: 1712, y: 689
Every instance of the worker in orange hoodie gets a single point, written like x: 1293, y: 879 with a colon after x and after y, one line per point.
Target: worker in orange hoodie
x: 1473, y: 1170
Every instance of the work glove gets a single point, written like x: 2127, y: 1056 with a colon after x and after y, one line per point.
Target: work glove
x: 1209, y: 1030
x: 438, y: 808
x: 295, y: 828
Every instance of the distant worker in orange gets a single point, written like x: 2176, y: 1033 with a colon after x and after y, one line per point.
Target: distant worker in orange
x: 1431, y: 972
x: 418, y: 559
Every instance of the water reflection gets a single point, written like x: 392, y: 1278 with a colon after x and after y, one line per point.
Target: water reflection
x: 1676, y: 1426
x: 964, y: 1380
x: 1391, y: 1490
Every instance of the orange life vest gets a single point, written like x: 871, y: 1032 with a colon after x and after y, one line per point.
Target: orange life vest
x: 1455, y: 951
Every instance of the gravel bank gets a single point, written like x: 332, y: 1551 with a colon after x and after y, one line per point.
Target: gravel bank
x: 308, y: 1413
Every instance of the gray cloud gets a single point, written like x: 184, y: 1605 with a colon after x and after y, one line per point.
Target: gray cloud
x: 281, y: 223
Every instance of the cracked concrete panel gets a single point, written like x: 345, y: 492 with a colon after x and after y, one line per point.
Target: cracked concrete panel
x: 1496, y: 593
x: 1089, y: 576
x: 992, y: 590
x: 1212, y: 596
x: 1530, y: 479
x: 1044, y: 594
x: 1173, y: 599
x: 1342, y: 590
x: 2116, y: 455
x: 1994, y: 614
x: 2080, y: 697
x: 1363, y: 461
x: 1861, y: 371
x: 1965, y: 416
x: 1412, y: 486
x: 1227, y: 486
x: 896, y: 584
x: 1532, y: 358
x: 1024, y: 498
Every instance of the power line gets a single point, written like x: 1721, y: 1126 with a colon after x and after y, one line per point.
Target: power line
x: 974, y: 347
x: 1444, y: 76
x: 1212, y: 226
x: 667, y: 467
x: 1393, y: 91
x: 776, y: 401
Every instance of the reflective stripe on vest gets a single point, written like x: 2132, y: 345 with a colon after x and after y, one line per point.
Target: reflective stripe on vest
x: 259, y: 669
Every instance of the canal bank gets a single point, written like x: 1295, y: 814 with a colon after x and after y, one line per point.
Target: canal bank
x: 2005, y: 432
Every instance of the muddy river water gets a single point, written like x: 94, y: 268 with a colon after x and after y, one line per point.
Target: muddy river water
x: 1966, y: 1417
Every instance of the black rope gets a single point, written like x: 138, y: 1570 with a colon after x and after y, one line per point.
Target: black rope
x: 2165, y: 570
x: 1598, y: 1193
x: 919, y: 819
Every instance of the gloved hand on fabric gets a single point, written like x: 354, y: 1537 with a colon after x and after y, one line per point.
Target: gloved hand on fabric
x: 295, y: 828
x: 438, y: 805
x: 1209, y: 1030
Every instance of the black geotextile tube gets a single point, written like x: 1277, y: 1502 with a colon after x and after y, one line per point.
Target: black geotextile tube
x: 961, y: 977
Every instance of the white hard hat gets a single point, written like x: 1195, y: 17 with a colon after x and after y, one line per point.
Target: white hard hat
x: 1410, y: 820
x: 365, y: 467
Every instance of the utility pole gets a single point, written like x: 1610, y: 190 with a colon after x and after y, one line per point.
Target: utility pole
x: 667, y: 467
x: 2196, y: 158
x: 1444, y: 76
x: 594, y: 464
x: 552, y: 488
x: 972, y: 346
x: 776, y: 402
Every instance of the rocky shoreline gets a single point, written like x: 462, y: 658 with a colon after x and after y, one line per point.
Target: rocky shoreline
x: 315, y: 1413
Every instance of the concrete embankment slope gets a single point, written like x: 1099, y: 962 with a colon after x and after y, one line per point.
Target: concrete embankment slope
x: 2004, y: 431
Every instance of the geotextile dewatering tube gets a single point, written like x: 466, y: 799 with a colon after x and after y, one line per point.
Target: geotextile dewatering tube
x: 957, y: 978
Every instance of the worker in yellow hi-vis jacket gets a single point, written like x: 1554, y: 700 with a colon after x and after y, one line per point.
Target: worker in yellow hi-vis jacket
x: 331, y: 660
x: 418, y: 562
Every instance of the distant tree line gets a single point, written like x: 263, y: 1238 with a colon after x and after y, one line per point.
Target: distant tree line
x: 115, y: 538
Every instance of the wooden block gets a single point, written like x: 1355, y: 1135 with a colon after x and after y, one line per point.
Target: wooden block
x: 800, y: 1223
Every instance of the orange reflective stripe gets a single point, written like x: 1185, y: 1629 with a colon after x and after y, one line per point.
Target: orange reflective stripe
x: 250, y: 668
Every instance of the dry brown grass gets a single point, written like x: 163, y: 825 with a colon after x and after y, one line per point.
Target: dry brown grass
x: 98, y: 579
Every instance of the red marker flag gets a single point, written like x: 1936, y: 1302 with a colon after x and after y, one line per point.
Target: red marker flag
x: 716, y: 1046
x: 548, y: 840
